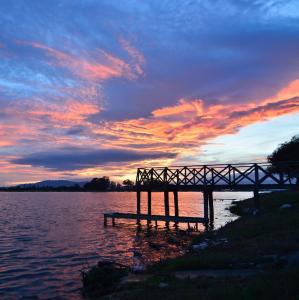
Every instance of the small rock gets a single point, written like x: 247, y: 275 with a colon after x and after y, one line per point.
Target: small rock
x: 200, y: 246
x: 286, y: 205
x: 155, y: 246
x: 137, y: 253
x: 255, y: 212
x: 138, y: 268
x: 246, y: 210
x: 220, y: 241
x: 163, y: 285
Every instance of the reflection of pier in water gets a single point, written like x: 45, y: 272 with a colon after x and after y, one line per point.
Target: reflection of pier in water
x: 206, y: 179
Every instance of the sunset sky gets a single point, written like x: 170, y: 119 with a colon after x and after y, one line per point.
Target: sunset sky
x: 94, y: 88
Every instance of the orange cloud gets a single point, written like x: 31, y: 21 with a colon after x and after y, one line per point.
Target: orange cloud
x: 184, y: 127
x: 71, y: 112
x: 290, y: 91
x: 183, y: 106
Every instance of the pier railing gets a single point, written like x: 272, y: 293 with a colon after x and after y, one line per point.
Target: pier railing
x: 219, y: 176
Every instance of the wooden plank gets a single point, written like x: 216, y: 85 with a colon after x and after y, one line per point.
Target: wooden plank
x: 155, y: 218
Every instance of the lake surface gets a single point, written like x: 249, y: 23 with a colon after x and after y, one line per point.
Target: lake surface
x: 47, y: 238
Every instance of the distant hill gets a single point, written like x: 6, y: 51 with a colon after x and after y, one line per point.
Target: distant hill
x: 53, y: 184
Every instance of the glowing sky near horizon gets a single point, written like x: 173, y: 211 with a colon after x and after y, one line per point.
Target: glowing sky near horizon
x: 93, y: 88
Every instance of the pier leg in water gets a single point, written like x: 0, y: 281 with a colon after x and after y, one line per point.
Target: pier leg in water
x: 176, y: 205
x: 206, y: 207
x: 113, y: 222
x: 138, y: 206
x: 149, y: 205
x: 211, y: 206
x: 166, y: 205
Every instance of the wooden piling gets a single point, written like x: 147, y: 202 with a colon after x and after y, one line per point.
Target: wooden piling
x: 113, y: 221
x: 138, y: 205
x: 211, y: 205
x: 206, y: 205
x: 166, y: 206
x: 149, y: 202
x: 166, y: 203
x: 105, y: 220
x: 176, y: 203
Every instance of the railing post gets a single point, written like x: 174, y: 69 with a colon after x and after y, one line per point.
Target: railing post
x: 137, y: 177
x: 152, y: 175
x: 205, y: 175
x: 256, y: 195
x: 165, y: 175
x: 256, y: 175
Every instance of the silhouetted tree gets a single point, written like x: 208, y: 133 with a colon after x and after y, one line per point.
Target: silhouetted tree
x: 286, y: 152
x: 128, y: 182
x: 112, y: 186
x: 98, y: 184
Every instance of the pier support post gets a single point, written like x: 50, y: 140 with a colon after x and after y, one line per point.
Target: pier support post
x: 206, y: 205
x: 166, y: 205
x: 211, y: 205
x: 105, y: 220
x: 138, y: 205
x: 149, y: 202
x: 176, y: 203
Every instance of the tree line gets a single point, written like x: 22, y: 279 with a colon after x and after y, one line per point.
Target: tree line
x: 100, y: 184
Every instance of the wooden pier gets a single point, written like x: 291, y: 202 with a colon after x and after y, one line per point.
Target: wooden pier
x: 254, y: 177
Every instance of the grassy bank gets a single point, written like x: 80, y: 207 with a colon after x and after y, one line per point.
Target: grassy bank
x: 266, y: 243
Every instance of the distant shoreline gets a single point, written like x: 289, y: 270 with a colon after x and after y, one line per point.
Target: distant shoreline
x: 62, y: 191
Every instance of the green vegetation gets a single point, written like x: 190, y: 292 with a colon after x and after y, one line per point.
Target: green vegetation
x: 263, y: 286
x: 102, y: 279
x: 286, y: 152
x: 265, y: 243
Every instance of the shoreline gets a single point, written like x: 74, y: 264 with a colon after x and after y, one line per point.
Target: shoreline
x: 232, y: 262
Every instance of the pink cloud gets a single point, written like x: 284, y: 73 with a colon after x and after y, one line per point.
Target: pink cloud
x: 137, y: 57
x: 103, y: 66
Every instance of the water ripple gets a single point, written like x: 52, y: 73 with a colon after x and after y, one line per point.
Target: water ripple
x: 47, y: 238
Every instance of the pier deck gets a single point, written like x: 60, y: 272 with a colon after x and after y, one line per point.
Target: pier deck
x: 147, y: 217
x: 206, y: 179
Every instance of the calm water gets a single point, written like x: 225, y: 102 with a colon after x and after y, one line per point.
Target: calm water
x: 47, y: 238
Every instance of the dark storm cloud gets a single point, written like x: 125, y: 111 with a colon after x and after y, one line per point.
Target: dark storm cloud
x: 77, y: 158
